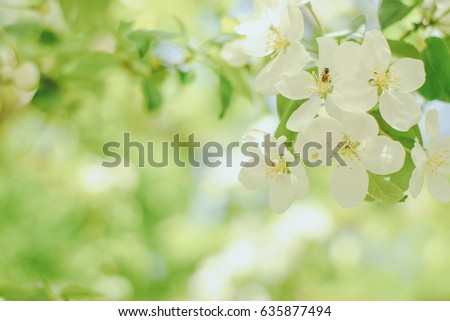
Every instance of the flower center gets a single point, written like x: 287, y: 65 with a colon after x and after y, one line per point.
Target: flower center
x: 440, y: 159
x: 277, y: 169
x: 349, y: 148
x: 382, y: 80
x: 276, y: 42
x: 322, y: 84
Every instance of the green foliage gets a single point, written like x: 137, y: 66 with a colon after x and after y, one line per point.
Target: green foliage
x: 77, y: 292
x: 407, y: 139
x: 134, y: 234
x: 152, y: 95
x: 186, y: 77
x: 402, y: 49
x: 402, y: 177
x: 393, y: 11
x: 226, y: 92
x: 382, y: 190
x: 231, y: 81
x: 48, y: 95
x: 142, y: 39
x: 436, y: 58
x: 84, y: 14
x: 285, y: 108
x: 48, y: 38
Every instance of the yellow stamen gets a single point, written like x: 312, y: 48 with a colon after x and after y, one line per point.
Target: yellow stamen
x: 323, y: 85
x: 440, y: 159
x: 276, y: 42
x: 277, y: 169
x: 349, y: 148
x: 383, y: 80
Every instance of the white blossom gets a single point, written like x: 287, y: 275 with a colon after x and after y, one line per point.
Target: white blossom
x: 275, y: 32
x: 285, y: 177
x: 433, y: 163
x: 316, y: 86
x: 361, y: 149
x: 370, y: 78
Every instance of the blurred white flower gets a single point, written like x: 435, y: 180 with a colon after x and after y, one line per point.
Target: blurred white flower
x: 18, y: 80
x: 233, y: 53
x: 433, y: 163
x: 285, y: 178
x: 441, y: 16
x: 361, y: 149
x: 276, y: 32
x: 369, y: 78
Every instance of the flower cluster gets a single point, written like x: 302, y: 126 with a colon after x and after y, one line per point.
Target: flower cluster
x: 360, y: 86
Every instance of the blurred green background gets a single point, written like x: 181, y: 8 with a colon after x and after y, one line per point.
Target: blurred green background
x: 73, y: 230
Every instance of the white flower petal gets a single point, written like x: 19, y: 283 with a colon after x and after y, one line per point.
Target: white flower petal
x: 300, y: 181
x: 267, y: 78
x: 439, y: 186
x: 255, y: 42
x: 408, y: 74
x: 433, y: 128
x: 277, y: 147
x: 284, y: 64
x: 303, y: 114
x: 333, y: 110
x: 349, y: 184
x: 327, y: 47
x: 355, y: 95
x: 348, y: 59
x: 382, y: 156
x: 376, y: 51
x: 400, y: 110
x: 418, y: 155
x: 282, y: 149
x: 416, y: 182
x: 292, y: 23
x: 317, y: 135
x: 443, y: 152
x: 281, y: 195
x: 294, y: 59
x: 360, y: 126
x: 296, y: 87
x: 26, y: 77
x: 254, y: 177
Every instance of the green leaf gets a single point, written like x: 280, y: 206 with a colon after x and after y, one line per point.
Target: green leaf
x: 48, y: 38
x: 403, y: 49
x: 142, y: 39
x: 382, y: 190
x: 436, y: 58
x: 48, y: 95
x: 151, y: 94
x: 226, y: 92
x: 285, y: 108
x: 402, y: 177
x: 392, y: 11
x: 186, y: 77
x: 238, y: 78
x: 407, y: 139
x: 283, y: 105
